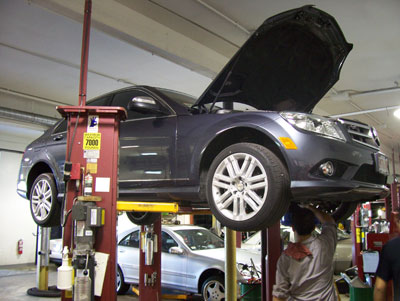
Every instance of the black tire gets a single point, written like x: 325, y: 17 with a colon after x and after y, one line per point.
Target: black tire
x: 122, y: 287
x: 258, y: 204
x: 45, y: 208
x: 344, y: 211
x: 213, y: 288
x: 142, y: 218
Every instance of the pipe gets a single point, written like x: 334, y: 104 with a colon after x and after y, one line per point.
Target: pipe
x: 214, y: 10
x: 365, y: 111
x: 376, y: 91
x: 32, y: 97
x: 27, y: 117
x: 85, y: 53
x: 347, y: 94
x: 66, y: 63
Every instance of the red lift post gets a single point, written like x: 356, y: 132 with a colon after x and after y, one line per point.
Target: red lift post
x: 92, y: 147
x: 270, y: 252
x: 150, y: 263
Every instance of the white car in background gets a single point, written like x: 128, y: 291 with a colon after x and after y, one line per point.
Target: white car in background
x: 192, y: 260
x: 343, y: 253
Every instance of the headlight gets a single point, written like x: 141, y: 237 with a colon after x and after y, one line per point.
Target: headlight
x: 314, y: 123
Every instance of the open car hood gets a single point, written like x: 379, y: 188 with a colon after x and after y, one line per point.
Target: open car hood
x: 288, y: 63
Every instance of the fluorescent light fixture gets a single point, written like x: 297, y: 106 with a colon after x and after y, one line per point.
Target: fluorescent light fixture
x: 397, y: 113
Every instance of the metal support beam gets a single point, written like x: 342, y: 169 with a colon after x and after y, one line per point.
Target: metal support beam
x: 42, y: 267
x: 150, y: 263
x: 147, y: 207
x: 270, y: 252
x: 230, y: 265
x: 85, y: 52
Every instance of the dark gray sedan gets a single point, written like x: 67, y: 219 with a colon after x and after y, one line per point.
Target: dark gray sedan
x: 246, y: 148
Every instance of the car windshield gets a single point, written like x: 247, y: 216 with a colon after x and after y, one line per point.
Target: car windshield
x: 188, y: 101
x: 200, y: 239
x: 183, y: 99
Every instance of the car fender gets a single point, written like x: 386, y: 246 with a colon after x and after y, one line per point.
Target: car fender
x: 262, y: 124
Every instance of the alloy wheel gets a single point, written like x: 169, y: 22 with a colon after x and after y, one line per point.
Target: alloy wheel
x: 240, y: 186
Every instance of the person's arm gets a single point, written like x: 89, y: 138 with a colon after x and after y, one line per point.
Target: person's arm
x: 322, y: 216
x: 380, y: 289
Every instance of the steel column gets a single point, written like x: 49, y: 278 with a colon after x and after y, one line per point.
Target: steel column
x: 270, y: 252
x: 149, y: 291
x: 230, y: 265
x: 104, y: 170
x: 85, y: 52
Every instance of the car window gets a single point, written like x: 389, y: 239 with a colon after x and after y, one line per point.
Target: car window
x: 102, y: 101
x: 62, y: 126
x: 167, y: 242
x: 131, y: 240
x: 124, y: 98
x: 200, y: 239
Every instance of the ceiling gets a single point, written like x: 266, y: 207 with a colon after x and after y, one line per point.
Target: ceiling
x: 182, y: 45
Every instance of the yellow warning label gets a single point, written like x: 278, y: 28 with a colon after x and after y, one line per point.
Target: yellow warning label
x: 91, y: 167
x: 91, y: 141
x: 358, y: 234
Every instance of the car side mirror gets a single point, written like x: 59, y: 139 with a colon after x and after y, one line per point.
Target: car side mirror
x: 176, y: 250
x: 145, y: 104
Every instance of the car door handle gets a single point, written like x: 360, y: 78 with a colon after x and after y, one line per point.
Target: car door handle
x: 58, y: 137
x: 122, y: 251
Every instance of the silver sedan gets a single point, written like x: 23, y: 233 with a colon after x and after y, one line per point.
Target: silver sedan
x: 192, y: 260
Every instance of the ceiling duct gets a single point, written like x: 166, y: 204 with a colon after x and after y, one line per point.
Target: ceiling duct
x: 346, y: 95
x: 27, y: 117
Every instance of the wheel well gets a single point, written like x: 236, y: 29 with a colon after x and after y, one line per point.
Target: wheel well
x: 35, y: 171
x: 233, y: 136
x: 206, y: 274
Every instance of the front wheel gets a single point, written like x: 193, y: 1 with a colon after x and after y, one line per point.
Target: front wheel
x: 213, y: 289
x: 122, y: 287
x: 45, y: 208
x: 247, y: 187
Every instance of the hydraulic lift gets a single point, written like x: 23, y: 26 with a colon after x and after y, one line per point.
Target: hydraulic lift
x: 369, y: 238
x: 91, y: 191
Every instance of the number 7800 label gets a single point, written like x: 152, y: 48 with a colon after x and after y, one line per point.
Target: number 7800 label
x: 91, y: 141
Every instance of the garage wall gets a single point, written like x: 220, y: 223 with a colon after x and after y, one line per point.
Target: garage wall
x: 15, y: 218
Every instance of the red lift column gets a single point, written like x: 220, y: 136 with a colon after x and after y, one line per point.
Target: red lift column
x: 150, y: 268
x: 271, y: 246
x: 92, y: 146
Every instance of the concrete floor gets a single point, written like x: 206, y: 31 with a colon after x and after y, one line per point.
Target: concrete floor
x: 16, y: 280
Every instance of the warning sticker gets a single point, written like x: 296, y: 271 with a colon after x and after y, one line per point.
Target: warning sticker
x: 91, y: 141
x: 93, y: 124
x: 91, y: 167
x: 92, y: 154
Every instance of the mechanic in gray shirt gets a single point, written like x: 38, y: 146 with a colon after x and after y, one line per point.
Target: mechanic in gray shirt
x: 305, y: 268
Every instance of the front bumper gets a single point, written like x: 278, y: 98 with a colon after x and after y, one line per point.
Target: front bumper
x: 356, y: 176
x: 337, y: 190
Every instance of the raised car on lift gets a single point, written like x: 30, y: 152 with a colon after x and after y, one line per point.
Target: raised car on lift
x: 246, y: 148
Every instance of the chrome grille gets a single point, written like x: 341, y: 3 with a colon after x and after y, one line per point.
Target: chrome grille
x: 362, y: 133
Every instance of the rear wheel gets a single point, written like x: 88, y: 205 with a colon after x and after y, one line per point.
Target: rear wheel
x: 45, y: 208
x: 213, y: 288
x: 142, y: 218
x: 247, y: 187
